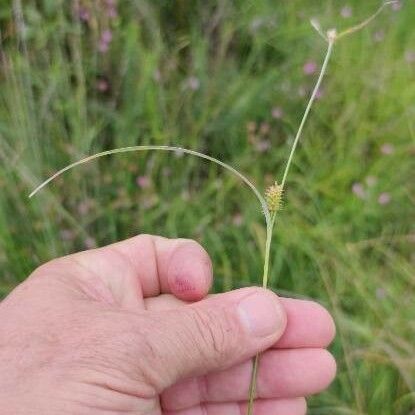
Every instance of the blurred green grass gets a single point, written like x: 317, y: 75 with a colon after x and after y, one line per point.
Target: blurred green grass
x: 225, y: 78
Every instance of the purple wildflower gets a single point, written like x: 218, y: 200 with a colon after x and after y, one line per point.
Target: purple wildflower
x: 397, y: 5
x: 387, y: 149
x: 346, y: 12
x: 380, y: 293
x: 84, y: 14
x: 237, y: 219
x: 277, y: 113
x: 84, y: 207
x: 90, y: 243
x: 103, y: 47
x: 104, y: 41
x: 193, y: 83
x: 102, y: 85
x: 106, y: 36
x: 143, y: 181
x: 410, y: 56
x: 262, y: 146
x: 67, y: 235
x: 112, y: 12
x: 310, y: 68
x: 320, y: 93
x: 264, y: 128
x: 384, y: 198
x: 379, y: 36
x: 359, y: 190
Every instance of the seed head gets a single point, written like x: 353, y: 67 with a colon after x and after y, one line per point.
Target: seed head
x: 273, y: 197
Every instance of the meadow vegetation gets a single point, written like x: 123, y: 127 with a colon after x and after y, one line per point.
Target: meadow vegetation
x: 230, y: 79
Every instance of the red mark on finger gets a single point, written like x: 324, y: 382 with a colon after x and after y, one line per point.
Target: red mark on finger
x: 183, y: 285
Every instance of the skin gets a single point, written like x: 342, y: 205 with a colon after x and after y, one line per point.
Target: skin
x: 130, y: 329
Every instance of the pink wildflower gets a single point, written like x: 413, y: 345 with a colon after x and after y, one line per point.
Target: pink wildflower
x: 384, y: 198
x: 346, y: 12
x: 193, y: 83
x: 143, y: 181
x: 90, y: 243
x: 379, y: 36
x: 380, y: 293
x: 102, y: 85
x: 410, y: 56
x: 84, y: 14
x: 320, y: 93
x: 310, y: 68
x: 397, y: 5
x: 359, y: 190
x: 262, y: 146
x: 387, y: 149
x: 106, y: 36
x: 67, y: 235
x: 237, y: 219
x: 277, y: 113
x: 104, y: 41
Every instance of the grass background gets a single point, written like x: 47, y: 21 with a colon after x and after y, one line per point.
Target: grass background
x: 225, y: 78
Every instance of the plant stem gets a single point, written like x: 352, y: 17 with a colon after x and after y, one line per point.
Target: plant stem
x: 271, y: 224
x: 307, y: 110
x: 252, y: 386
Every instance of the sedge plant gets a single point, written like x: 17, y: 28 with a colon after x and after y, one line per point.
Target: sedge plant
x: 271, y: 200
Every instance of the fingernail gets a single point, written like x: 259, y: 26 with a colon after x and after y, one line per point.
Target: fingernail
x: 261, y: 314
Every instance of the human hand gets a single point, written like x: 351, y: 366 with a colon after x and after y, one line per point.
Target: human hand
x: 129, y: 328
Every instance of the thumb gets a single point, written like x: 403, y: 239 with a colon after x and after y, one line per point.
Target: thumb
x: 212, y: 334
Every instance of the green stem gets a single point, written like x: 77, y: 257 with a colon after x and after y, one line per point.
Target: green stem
x: 252, y: 386
x: 307, y: 111
x: 271, y: 223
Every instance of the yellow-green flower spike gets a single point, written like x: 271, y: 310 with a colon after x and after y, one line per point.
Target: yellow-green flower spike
x: 273, y: 197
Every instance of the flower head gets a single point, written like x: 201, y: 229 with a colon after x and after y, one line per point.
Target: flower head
x: 237, y: 219
x: 387, y: 149
x: 90, y: 243
x: 104, y: 41
x: 84, y: 14
x: 112, y: 12
x: 378, y: 36
x: 193, y: 83
x: 410, y: 56
x: 143, y: 181
x: 346, y: 12
x: 384, y: 198
x: 262, y: 146
x: 277, y: 113
x: 396, y: 5
x: 310, y: 68
x: 273, y: 197
x: 359, y: 190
